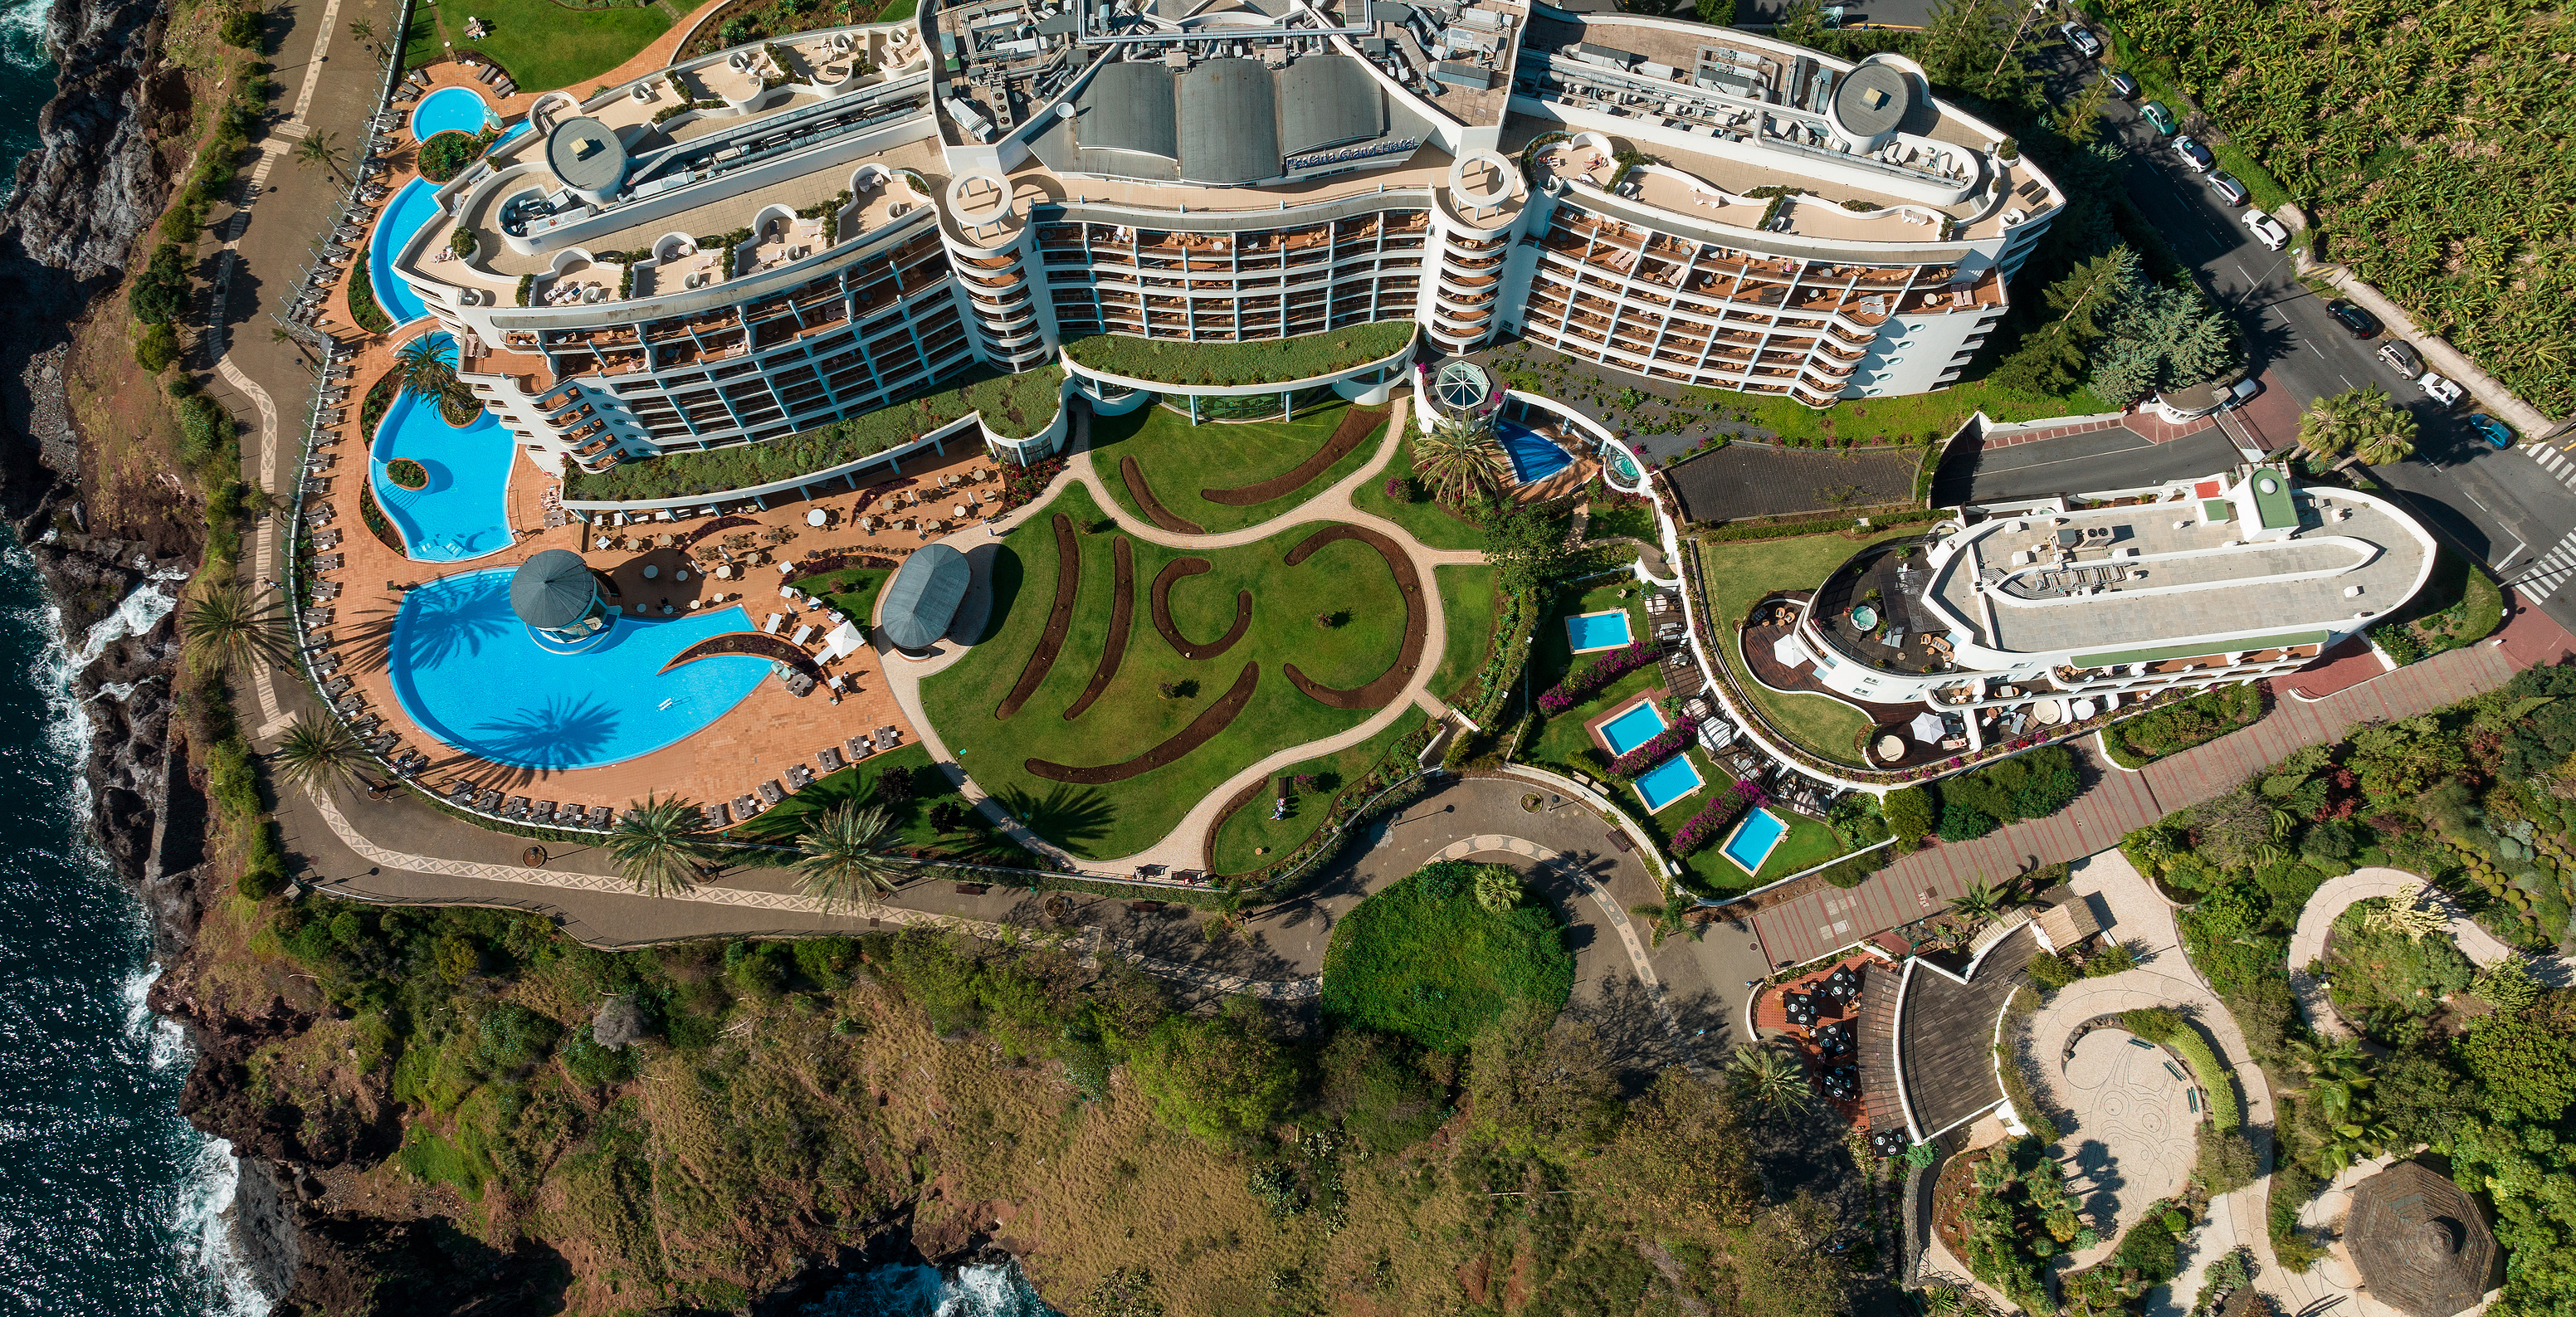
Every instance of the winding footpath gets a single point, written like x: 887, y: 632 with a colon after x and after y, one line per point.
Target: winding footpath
x: 2316, y: 920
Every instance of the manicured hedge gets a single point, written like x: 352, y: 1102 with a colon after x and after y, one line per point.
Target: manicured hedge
x: 1279, y: 360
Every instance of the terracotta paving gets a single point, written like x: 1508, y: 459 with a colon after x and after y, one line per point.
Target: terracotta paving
x: 2350, y: 663
x: 2145, y: 424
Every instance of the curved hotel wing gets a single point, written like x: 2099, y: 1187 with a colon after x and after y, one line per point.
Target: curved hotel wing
x: 755, y: 243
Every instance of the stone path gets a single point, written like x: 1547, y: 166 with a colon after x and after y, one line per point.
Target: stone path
x: 2316, y: 919
x: 1186, y: 844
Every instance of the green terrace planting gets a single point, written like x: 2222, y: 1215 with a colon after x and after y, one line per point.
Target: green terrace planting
x: 1013, y: 406
x: 1272, y: 361
x: 2173, y: 728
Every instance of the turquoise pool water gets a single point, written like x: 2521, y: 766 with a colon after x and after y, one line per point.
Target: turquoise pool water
x: 1591, y: 631
x: 1667, y: 782
x: 449, y: 110
x: 1754, y: 836
x: 465, y: 668
x: 465, y: 511
x: 1633, y: 728
x: 1534, y: 456
x: 415, y: 205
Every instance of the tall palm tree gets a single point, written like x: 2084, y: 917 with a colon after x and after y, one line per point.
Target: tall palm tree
x: 1668, y: 917
x: 364, y: 33
x: 325, y: 150
x: 657, y: 845
x: 1770, y: 1079
x: 227, y: 626
x: 424, y: 369
x: 1982, y: 900
x: 2360, y: 425
x: 319, y: 753
x: 1459, y: 463
x: 844, y: 860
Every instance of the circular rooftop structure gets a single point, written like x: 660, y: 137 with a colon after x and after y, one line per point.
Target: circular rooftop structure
x: 1873, y: 99
x: 1463, y: 388
x: 2422, y: 1245
x: 922, y: 599
x: 586, y: 155
x: 553, y: 591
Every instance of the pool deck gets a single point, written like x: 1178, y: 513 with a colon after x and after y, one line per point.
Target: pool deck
x: 1593, y: 726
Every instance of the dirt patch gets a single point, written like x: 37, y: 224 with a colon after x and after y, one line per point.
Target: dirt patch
x: 1155, y: 512
x: 755, y: 643
x: 1356, y: 425
x: 1202, y: 729
x: 1122, y: 611
x: 1068, y: 579
x: 1417, y: 623
x: 1172, y: 574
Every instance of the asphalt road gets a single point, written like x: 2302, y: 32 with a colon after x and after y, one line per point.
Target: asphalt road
x: 2513, y: 510
x: 2103, y: 459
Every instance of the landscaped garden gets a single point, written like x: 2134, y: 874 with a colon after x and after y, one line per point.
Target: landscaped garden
x: 2482, y: 1068
x: 1284, y: 654
x: 1736, y: 575
x: 1251, y: 838
x: 1263, y: 361
x: 2172, y: 728
x: 1014, y: 406
x: 2459, y: 606
x: 851, y: 590
x: 542, y: 45
x: 1397, y: 496
x: 1225, y: 476
x: 930, y: 816
x: 1442, y: 954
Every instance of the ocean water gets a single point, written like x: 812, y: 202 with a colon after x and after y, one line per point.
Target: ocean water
x: 109, y: 1202
x: 916, y: 1291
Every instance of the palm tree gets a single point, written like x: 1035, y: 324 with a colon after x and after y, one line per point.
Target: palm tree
x: 319, y: 753
x: 658, y: 847
x: 364, y: 33
x: 1459, y: 463
x: 844, y: 858
x: 1981, y: 901
x: 2360, y: 425
x: 322, y: 149
x: 1667, y: 917
x: 424, y: 369
x: 1770, y: 1079
x: 228, y: 627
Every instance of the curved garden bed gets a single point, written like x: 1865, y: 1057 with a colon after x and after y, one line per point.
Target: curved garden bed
x: 1202, y: 729
x: 407, y: 474
x: 1357, y: 424
x: 1379, y: 693
x: 1122, y: 613
x: 1173, y: 573
x: 1068, y: 579
x: 1137, y: 488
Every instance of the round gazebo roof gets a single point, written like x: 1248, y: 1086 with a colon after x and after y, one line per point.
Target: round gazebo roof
x: 923, y: 597
x: 553, y: 590
x: 2422, y: 1245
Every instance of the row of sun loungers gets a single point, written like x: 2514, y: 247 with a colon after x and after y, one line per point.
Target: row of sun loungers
x: 742, y: 808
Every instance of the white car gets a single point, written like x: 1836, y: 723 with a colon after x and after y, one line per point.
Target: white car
x: 2267, y: 230
x: 2439, y: 389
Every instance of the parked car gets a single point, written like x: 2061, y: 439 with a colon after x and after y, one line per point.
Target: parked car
x: 2267, y: 230
x: 2240, y: 393
x: 2229, y: 190
x: 2122, y: 85
x: 2158, y: 118
x: 2400, y: 356
x: 2444, y: 391
x: 2351, y: 316
x: 2195, y: 155
x: 2492, y: 430
x: 2082, y: 38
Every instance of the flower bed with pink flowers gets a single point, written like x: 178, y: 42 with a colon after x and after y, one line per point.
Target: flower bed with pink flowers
x: 1710, y: 822
x: 1589, y: 680
x: 1666, y: 743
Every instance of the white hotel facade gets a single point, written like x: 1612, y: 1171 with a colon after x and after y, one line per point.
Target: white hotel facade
x: 759, y: 242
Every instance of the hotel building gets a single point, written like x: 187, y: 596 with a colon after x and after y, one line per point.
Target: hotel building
x: 761, y: 241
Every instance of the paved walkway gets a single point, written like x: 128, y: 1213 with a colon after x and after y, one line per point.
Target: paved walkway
x: 1185, y: 846
x: 2316, y: 919
x: 1800, y: 924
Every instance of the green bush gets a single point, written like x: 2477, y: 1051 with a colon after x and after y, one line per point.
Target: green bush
x: 243, y: 28
x: 1910, y: 815
x: 159, y: 295
x: 446, y: 154
x: 2051, y: 972
x: 1426, y: 959
x: 156, y: 347
x: 1964, y: 823
x: 362, y: 301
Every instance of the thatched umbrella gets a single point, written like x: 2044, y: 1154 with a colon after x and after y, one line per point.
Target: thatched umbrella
x: 2422, y: 1245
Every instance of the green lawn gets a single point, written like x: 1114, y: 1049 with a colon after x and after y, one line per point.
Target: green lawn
x: 789, y: 819
x: 1563, y: 742
x: 542, y: 45
x: 853, y: 590
x: 1913, y: 416
x: 1736, y: 573
x: 1471, y: 601
x: 1180, y: 459
x: 1555, y: 655
x: 1426, y: 520
x: 1251, y: 828
x: 1426, y: 959
x: 1132, y: 716
x: 1260, y: 361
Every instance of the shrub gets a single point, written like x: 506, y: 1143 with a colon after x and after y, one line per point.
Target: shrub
x: 446, y: 154
x: 2052, y: 972
x: 156, y: 347
x: 1964, y: 823
x: 1909, y: 814
x: 462, y: 242
x: 1584, y: 682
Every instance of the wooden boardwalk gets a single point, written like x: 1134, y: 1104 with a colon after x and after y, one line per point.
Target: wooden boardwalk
x: 1811, y: 923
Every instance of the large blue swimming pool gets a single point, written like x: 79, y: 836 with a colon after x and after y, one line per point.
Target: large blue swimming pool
x: 465, y: 511
x: 449, y: 110
x: 1751, y: 842
x: 415, y: 205
x: 1667, y: 782
x: 1534, y: 456
x: 1587, y: 632
x: 466, y: 670
x: 1633, y: 728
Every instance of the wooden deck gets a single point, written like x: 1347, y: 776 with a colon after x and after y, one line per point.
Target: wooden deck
x: 1947, y: 1047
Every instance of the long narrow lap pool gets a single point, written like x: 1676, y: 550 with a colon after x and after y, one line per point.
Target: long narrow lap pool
x: 464, y: 510
x: 412, y: 207
x: 466, y: 669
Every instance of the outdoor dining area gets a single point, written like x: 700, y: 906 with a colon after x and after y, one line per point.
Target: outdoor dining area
x: 1818, y: 1012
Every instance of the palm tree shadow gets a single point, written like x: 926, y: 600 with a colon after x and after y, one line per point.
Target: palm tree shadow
x: 560, y: 733
x: 1064, y: 815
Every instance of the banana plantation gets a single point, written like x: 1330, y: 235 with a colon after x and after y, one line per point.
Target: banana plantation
x: 2428, y: 143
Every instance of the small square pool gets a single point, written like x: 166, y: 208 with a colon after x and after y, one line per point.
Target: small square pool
x: 1588, y: 632
x: 1634, y: 728
x: 1667, y: 782
x: 1752, y: 840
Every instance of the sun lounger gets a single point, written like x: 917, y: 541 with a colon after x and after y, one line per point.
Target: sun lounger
x: 545, y: 812
x: 715, y: 816
x: 803, y: 634
x: 859, y: 747
x: 830, y: 759
x: 601, y: 816
x: 799, y: 777
x: 518, y: 806
x: 771, y: 626
x: 744, y: 807
x: 770, y: 792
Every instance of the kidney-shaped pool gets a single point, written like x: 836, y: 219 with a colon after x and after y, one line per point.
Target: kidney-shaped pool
x: 465, y: 668
x: 463, y: 510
